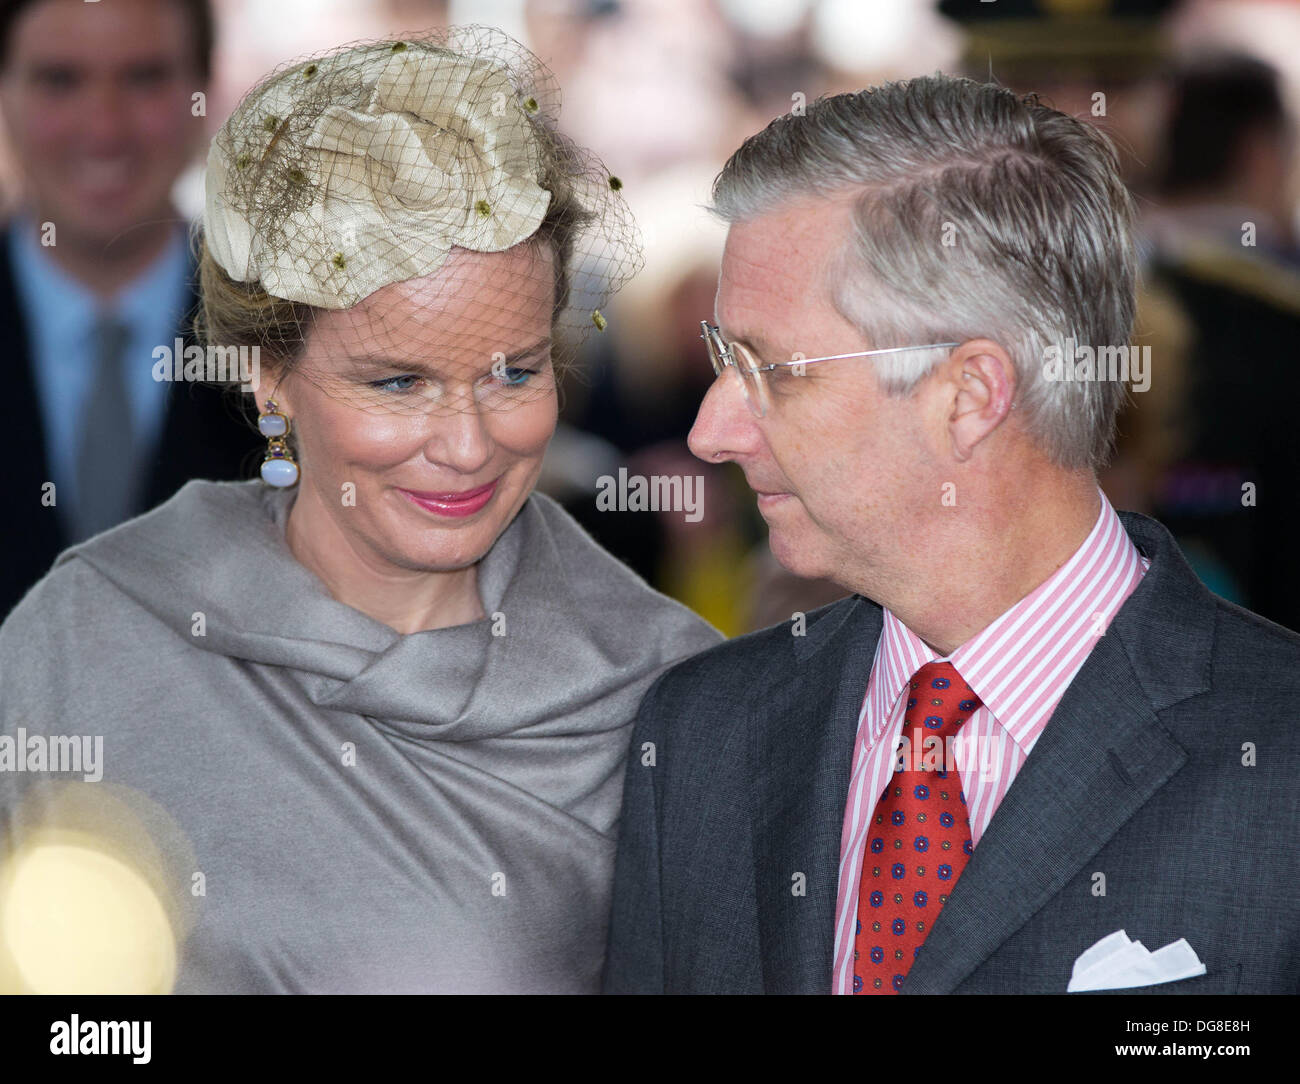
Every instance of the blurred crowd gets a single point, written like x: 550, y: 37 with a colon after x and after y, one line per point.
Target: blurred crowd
x: 108, y: 108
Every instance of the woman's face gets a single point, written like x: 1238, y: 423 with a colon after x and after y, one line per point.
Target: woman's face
x: 421, y: 415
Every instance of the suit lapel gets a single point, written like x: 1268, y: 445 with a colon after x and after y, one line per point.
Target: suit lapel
x: 37, y: 532
x: 19, y: 407
x: 806, y: 720
x: 1066, y: 802
x: 204, y: 433
x: 1102, y: 755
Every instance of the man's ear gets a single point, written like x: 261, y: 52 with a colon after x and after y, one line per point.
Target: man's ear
x: 979, y: 387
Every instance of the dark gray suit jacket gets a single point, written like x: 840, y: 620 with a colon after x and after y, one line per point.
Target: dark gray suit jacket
x: 1138, y: 775
x: 202, y: 436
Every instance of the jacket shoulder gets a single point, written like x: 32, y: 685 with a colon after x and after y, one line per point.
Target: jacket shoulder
x: 1253, y: 653
x: 733, y: 668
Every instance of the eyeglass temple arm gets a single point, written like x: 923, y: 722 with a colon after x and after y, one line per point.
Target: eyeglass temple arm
x: 713, y: 335
x: 857, y: 354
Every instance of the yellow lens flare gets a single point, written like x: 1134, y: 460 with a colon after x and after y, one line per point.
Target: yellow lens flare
x: 77, y: 920
x: 99, y: 889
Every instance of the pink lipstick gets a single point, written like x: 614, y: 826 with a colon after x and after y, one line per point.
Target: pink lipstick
x: 458, y: 505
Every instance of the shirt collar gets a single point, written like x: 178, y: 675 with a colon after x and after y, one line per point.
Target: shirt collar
x: 47, y: 288
x: 60, y: 306
x: 1010, y: 634
x: 138, y: 302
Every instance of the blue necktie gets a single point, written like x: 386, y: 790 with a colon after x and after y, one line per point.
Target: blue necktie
x: 106, y: 457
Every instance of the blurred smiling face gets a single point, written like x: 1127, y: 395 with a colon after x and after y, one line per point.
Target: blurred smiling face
x: 436, y: 399
x: 97, y: 103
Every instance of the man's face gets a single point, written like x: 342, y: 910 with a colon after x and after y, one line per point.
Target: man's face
x: 840, y: 469
x: 97, y: 100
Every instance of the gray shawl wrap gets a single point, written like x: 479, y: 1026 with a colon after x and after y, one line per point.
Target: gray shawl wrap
x: 467, y: 841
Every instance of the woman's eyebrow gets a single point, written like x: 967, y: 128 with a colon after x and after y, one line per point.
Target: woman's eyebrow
x: 529, y: 351
x: 379, y: 361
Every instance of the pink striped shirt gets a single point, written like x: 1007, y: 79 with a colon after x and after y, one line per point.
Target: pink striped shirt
x: 1019, y: 666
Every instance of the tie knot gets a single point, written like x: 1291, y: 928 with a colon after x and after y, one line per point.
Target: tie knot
x: 939, y: 700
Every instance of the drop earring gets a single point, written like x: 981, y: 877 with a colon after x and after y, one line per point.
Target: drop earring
x: 279, y: 468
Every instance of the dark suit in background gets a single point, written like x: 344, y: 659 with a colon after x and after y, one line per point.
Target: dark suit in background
x: 1138, y: 775
x: 202, y: 436
x: 1242, y: 380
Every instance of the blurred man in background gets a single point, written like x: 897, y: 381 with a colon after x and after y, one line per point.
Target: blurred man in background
x: 102, y: 104
x: 1206, y: 143
x: 1222, y: 243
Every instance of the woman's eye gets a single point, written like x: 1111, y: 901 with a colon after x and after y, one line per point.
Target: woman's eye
x: 395, y: 383
x: 513, y: 375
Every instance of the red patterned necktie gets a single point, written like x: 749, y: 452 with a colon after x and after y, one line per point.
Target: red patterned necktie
x: 919, y: 840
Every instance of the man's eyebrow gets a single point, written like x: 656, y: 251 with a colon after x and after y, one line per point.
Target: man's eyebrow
x: 754, y: 340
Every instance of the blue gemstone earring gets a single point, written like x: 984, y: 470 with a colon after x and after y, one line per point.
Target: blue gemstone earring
x: 278, y: 468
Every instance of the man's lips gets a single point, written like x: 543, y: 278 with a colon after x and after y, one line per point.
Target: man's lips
x: 463, y: 502
x: 768, y: 500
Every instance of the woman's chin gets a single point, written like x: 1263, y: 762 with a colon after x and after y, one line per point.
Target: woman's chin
x: 449, y: 547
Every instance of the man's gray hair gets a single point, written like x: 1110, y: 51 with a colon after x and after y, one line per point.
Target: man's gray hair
x: 981, y: 214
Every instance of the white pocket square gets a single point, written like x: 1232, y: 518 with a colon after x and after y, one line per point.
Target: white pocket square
x: 1116, y: 963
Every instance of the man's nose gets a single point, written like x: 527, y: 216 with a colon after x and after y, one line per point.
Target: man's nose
x: 724, y: 427
x: 105, y: 114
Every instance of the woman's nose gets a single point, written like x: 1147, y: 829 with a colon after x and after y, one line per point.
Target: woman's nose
x: 459, y: 439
